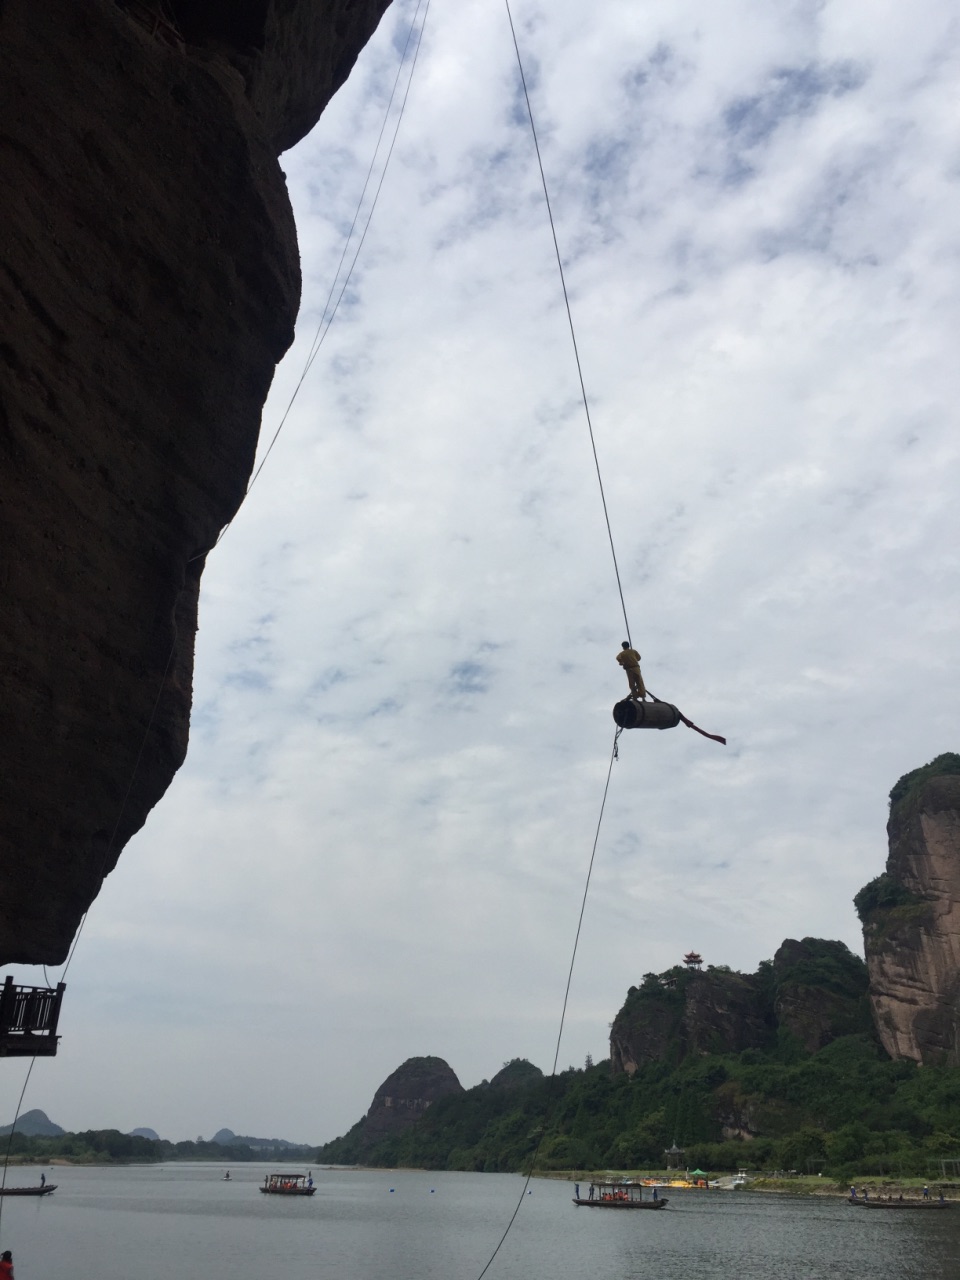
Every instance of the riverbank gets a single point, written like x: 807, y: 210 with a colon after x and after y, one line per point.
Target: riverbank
x: 792, y: 1185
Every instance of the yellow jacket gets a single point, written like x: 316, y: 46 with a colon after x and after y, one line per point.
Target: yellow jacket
x: 628, y: 658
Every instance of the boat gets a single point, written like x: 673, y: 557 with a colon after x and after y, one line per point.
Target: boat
x: 44, y: 1190
x: 288, y: 1184
x: 619, y: 1195
x: 900, y: 1204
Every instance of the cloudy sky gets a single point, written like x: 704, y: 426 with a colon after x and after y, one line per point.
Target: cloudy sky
x: 405, y: 669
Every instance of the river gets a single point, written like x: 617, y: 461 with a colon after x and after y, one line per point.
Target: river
x: 155, y: 1222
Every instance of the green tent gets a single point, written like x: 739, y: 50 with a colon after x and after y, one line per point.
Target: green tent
x: 697, y: 1173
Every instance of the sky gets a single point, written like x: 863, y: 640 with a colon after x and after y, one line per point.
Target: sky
x: 378, y: 845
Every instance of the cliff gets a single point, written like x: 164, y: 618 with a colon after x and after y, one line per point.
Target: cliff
x: 911, y: 919
x: 149, y: 277
x: 397, y: 1105
x: 813, y: 992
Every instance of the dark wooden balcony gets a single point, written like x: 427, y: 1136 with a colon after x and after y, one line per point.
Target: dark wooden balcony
x: 28, y: 1020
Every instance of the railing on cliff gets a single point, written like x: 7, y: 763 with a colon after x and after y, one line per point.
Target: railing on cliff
x: 28, y: 1019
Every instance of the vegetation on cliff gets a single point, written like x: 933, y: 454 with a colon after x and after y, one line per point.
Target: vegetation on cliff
x: 912, y: 783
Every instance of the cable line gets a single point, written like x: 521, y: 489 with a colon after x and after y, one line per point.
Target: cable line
x: 573, y: 334
x: 614, y: 753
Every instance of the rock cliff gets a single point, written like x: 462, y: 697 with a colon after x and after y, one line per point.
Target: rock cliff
x: 397, y: 1105
x: 813, y: 992
x: 820, y: 992
x: 911, y: 919
x: 149, y: 282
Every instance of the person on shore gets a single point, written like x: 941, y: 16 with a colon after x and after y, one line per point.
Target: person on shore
x: 629, y: 659
x: 926, y: 1193
x: 853, y: 1193
x: 6, y: 1265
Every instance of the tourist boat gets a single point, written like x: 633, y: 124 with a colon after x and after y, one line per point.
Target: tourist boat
x: 45, y: 1190
x: 288, y: 1184
x: 619, y: 1195
x: 900, y: 1204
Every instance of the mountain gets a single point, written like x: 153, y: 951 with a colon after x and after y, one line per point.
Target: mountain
x: 402, y: 1099
x: 36, y: 1124
x: 145, y: 1133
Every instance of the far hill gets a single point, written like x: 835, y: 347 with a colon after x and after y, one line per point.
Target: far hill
x: 145, y: 1133
x: 227, y: 1138
x: 36, y: 1124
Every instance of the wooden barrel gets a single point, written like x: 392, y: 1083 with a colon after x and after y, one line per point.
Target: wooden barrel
x: 646, y: 715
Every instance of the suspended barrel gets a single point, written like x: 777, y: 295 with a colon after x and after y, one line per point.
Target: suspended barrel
x: 646, y: 715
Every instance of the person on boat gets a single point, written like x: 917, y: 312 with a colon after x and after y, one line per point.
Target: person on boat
x: 309, y: 1179
x: 43, y: 1179
x: 853, y: 1193
x: 6, y: 1265
x: 655, y: 1196
x: 576, y: 1190
x: 629, y: 659
x: 590, y: 1196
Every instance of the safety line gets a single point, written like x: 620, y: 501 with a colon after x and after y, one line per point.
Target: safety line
x: 323, y: 328
x: 614, y: 753
x: 573, y: 334
x: 6, y: 1158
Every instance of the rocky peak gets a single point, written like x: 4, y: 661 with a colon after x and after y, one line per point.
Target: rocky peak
x: 820, y: 991
x: 516, y: 1074
x: 406, y: 1093
x: 911, y: 918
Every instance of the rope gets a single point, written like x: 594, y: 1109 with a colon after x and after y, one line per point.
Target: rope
x: 573, y: 335
x: 614, y: 755
x: 6, y: 1158
x: 323, y: 328
x: 714, y: 737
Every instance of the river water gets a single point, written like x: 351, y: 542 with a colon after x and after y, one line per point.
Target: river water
x: 160, y: 1221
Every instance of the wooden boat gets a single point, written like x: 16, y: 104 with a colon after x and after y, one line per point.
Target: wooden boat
x: 288, y: 1184
x: 45, y: 1190
x: 619, y: 1195
x: 900, y: 1204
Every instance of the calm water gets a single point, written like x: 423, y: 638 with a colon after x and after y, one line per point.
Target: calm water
x: 183, y: 1221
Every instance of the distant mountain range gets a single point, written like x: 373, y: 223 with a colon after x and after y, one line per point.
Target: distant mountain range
x: 37, y: 1124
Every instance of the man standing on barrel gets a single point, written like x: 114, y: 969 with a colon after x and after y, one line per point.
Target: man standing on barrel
x: 629, y: 659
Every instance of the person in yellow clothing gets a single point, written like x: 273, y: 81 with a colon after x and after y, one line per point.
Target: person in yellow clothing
x: 629, y: 659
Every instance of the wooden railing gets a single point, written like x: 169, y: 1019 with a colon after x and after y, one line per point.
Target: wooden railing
x: 28, y: 1019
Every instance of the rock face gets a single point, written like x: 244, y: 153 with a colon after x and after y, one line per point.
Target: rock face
x: 813, y: 992
x: 820, y: 992
x: 397, y: 1105
x: 679, y: 1013
x: 911, y: 919
x: 404, y: 1096
x: 149, y: 281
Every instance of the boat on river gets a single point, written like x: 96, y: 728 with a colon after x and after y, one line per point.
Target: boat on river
x: 900, y: 1204
x: 619, y: 1195
x: 39, y: 1190
x: 288, y: 1184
